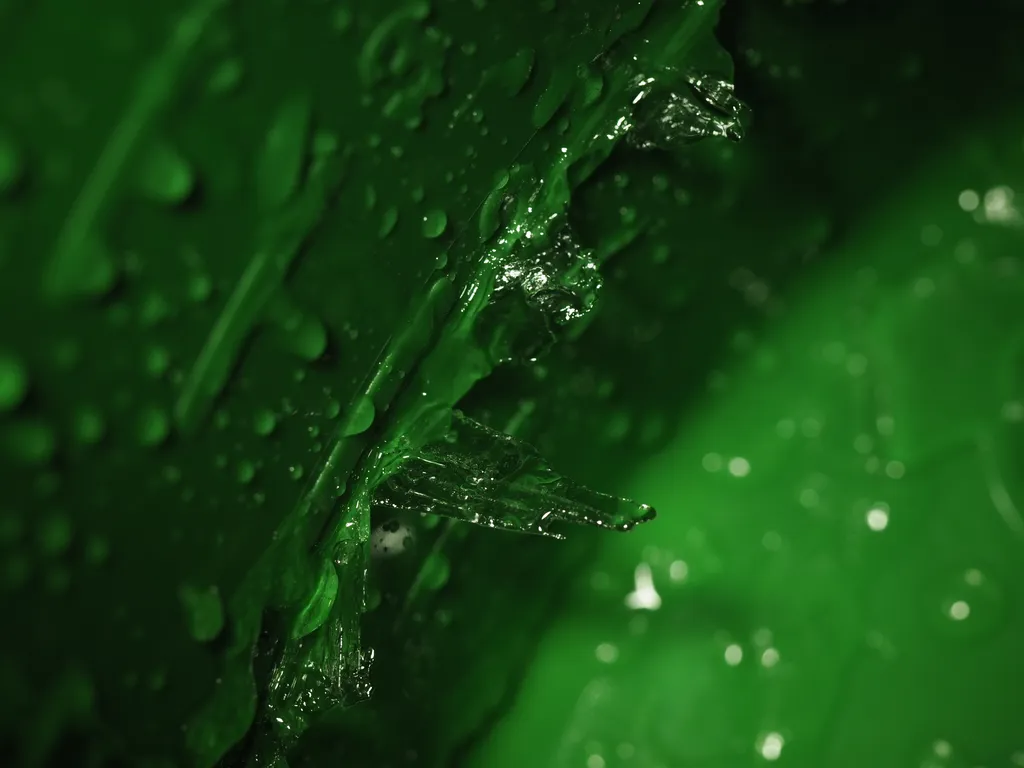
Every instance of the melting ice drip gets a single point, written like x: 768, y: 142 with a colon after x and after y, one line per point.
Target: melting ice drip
x: 539, y: 290
x: 321, y: 663
x: 678, y: 108
x: 485, y: 477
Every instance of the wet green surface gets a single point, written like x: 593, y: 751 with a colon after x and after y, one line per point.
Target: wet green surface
x: 252, y: 253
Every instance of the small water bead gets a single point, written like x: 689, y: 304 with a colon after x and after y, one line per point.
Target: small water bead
x: 435, y: 571
x: 307, y: 337
x: 733, y: 654
x: 318, y: 604
x: 14, y: 382
x: 158, y: 360
x: 361, y: 417
x: 515, y: 73
x: 280, y: 160
x: 226, y: 77
x: 295, y: 472
x: 204, y: 611
x: 341, y: 18
x: 333, y: 409
x: 199, y: 287
x: 264, y: 422
x: 88, y: 426
x: 388, y: 222
x: 96, y: 550
x: 434, y: 223
x: 877, y: 518
x: 971, y: 604
x: 246, y: 472
x: 770, y: 746
x: 325, y: 144
x: 155, y: 308
x: 54, y: 535
x: 153, y: 426
x: 164, y: 176
x: 712, y: 462
x: 739, y: 466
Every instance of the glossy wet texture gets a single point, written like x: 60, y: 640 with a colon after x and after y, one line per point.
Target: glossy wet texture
x: 253, y: 254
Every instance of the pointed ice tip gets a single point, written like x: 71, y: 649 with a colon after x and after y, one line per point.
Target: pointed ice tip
x: 644, y: 513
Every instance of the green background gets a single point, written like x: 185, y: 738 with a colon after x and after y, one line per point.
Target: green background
x: 808, y: 356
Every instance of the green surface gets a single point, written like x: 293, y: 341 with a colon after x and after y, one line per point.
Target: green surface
x: 252, y: 254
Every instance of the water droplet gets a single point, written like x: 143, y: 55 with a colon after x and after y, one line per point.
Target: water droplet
x: 88, y: 426
x: 361, y: 417
x: 279, y: 164
x: 54, y: 535
x: 97, y: 550
x: 199, y: 287
x: 515, y: 73
x: 435, y: 571
x: 309, y: 340
x: 324, y: 143
x: 13, y: 382
x: 972, y: 604
x: 341, y: 20
x: 30, y: 441
x: 264, y: 422
x: 593, y: 86
x: 157, y: 679
x: 295, y: 472
x: 204, y: 611
x: 318, y: 606
x: 552, y: 98
x: 155, y: 308
x: 153, y: 426
x: 157, y: 361
x: 388, y: 222
x: 333, y: 409
x: 95, y: 271
x: 246, y: 472
x: 490, y: 213
x: 434, y: 223
x: 164, y: 176
x: 770, y: 746
x: 226, y: 76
